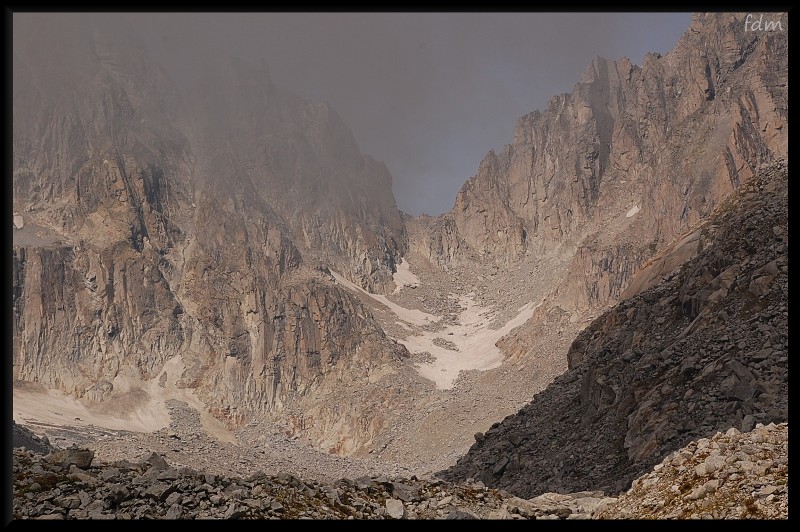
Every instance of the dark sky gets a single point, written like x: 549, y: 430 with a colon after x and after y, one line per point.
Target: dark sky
x: 427, y: 93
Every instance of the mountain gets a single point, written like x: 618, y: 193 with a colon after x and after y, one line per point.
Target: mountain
x: 554, y: 226
x: 301, y: 160
x: 228, y: 248
x: 612, y: 172
x: 170, y: 243
x: 701, y: 351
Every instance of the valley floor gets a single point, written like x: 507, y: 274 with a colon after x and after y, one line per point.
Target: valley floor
x: 450, y: 323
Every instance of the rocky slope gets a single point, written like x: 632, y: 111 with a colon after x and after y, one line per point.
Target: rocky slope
x: 165, y: 238
x: 732, y: 475
x: 66, y: 485
x: 703, y: 350
x: 21, y: 436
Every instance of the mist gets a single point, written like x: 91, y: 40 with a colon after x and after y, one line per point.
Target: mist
x: 427, y: 93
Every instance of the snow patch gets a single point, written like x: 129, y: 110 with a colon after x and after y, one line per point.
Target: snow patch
x: 404, y: 277
x: 412, y: 316
x: 472, y: 337
x: 134, y: 405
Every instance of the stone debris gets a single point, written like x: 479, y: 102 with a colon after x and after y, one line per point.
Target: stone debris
x: 21, y: 436
x: 730, y: 475
x: 44, y: 489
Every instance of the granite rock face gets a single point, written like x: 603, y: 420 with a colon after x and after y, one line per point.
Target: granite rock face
x: 704, y: 350
x: 629, y: 160
x: 155, y: 226
x: 302, y: 160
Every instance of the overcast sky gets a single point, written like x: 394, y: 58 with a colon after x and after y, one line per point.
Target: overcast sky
x: 427, y: 93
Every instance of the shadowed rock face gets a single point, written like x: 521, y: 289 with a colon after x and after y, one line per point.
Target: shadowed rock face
x: 23, y: 437
x: 704, y: 350
x: 626, y: 162
x: 156, y: 225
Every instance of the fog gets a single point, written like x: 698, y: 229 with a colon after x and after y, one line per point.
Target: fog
x: 427, y: 93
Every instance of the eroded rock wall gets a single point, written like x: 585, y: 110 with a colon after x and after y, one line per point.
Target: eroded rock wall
x: 155, y: 224
x: 626, y: 162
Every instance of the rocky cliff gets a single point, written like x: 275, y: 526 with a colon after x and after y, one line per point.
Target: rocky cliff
x: 303, y: 161
x: 629, y: 160
x: 153, y: 226
x: 703, y: 350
